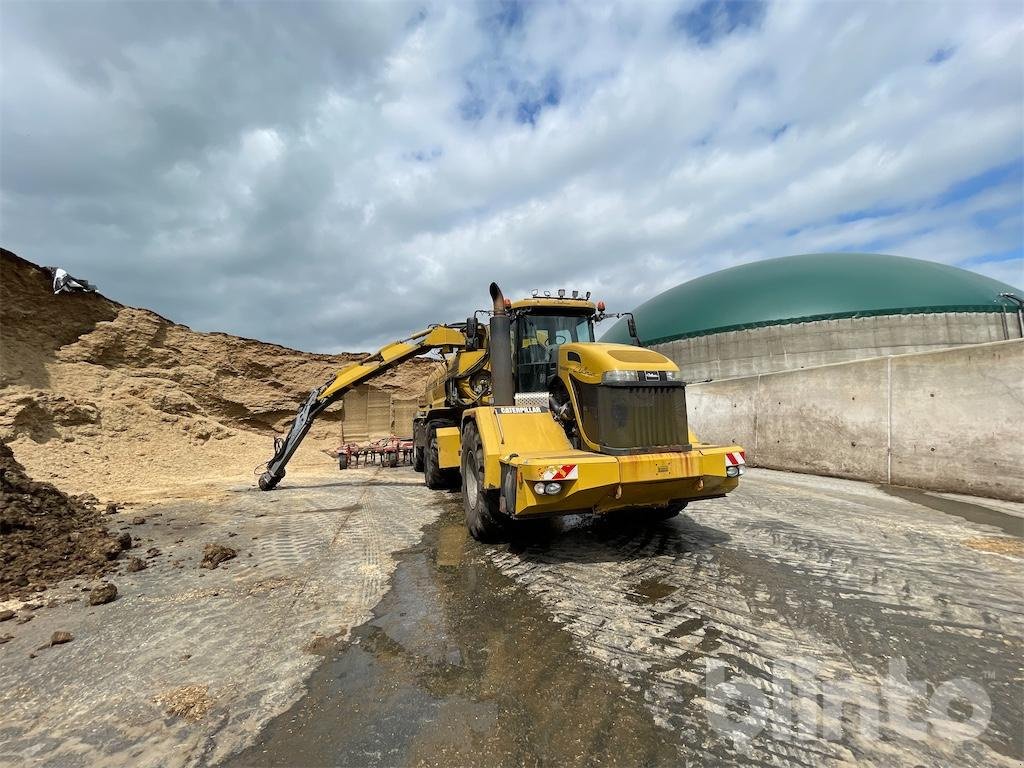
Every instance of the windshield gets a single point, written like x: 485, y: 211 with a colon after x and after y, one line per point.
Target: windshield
x: 537, y: 338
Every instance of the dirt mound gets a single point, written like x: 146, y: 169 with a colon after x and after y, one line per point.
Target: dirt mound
x: 124, y: 403
x: 215, y: 554
x: 46, y: 535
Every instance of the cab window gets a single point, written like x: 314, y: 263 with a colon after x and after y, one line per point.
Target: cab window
x: 536, y: 342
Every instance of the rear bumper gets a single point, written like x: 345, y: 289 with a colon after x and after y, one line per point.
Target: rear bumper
x: 591, y: 482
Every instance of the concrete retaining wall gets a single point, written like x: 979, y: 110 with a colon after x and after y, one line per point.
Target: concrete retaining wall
x: 948, y: 420
x: 803, y: 345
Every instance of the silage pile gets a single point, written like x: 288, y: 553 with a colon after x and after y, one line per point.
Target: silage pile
x: 122, y: 403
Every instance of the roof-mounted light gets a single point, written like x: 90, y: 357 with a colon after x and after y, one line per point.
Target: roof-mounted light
x: 561, y: 293
x: 536, y: 292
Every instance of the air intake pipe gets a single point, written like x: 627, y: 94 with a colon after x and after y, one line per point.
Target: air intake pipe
x: 503, y: 389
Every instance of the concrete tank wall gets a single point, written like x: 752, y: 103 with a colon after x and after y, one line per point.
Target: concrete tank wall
x: 803, y: 345
x: 947, y: 420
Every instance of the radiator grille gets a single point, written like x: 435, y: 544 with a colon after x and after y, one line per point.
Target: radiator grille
x: 630, y: 419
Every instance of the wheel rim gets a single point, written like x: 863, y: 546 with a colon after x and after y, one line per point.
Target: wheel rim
x: 472, y: 484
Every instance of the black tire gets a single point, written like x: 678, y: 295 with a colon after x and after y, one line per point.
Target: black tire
x: 484, y: 519
x: 667, y: 513
x: 437, y: 479
x: 342, y: 461
x: 417, y: 459
x: 637, y: 518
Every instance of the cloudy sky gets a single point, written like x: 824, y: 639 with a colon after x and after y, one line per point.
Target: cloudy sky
x: 333, y: 176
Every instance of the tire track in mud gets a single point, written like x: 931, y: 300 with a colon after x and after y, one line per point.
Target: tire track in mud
x: 459, y: 666
x: 321, y: 557
x: 790, y: 587
x: 340, y: 578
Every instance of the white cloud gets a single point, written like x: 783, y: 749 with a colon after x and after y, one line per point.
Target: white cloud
x: 336, y: 178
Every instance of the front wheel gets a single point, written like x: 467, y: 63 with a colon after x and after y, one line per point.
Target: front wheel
x: 667, y: 513
x: 483, y: 517
x: 435, y: 477
x: 634, y: 518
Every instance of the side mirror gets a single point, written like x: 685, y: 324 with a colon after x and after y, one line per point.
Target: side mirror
x: 472, y: 334
x: 631, y: 326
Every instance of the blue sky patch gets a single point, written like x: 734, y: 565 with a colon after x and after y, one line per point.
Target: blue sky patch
x: 505, y: 16
x: 547, y: 93
x: 712, y: 20
x: 874, y: 212
x: 1010, y: 173
x: 472, y: 107
x: 417, y: 18
x: 988, y: 258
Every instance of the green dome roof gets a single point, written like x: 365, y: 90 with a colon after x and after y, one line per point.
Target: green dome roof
x: 816, y: 286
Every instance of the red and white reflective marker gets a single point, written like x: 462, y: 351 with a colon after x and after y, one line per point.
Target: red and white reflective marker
x: 735, y: 459
x: 564, y: 472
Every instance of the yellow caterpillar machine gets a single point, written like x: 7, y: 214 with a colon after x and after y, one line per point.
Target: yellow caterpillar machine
x: 535, y: 418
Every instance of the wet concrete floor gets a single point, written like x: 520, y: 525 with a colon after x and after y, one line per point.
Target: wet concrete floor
x: 800, y: 621
x: 787, y: 625
x: 975, y: 513
x: 460, y: 667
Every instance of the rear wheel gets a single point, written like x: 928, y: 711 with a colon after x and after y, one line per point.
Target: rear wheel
x: 417, y: 459
x: 435, y: 477
x: 483, y: 517
x: 342, y: 461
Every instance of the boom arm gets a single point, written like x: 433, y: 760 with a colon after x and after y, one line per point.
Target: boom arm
x: 322, y: 397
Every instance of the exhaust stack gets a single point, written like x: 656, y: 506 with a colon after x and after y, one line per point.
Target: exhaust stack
x: 503, y: 389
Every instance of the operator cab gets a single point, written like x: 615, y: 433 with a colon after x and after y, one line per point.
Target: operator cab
x: 537, y: 333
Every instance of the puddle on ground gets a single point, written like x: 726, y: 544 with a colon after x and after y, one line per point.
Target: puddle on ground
x: 650, y: 591
x: 451, y: 542
x: 975, y: 513
x: 460, y: 667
